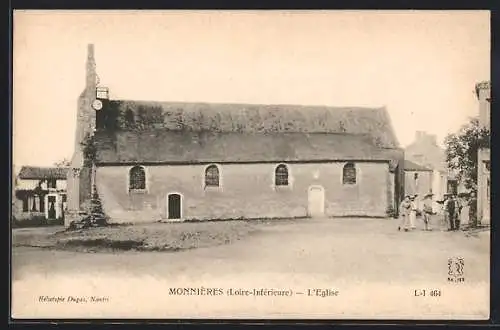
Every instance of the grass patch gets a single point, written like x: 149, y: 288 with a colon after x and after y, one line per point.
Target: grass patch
x: 151, y: 237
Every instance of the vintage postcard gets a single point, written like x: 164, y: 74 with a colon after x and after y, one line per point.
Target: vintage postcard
x: 251, y: 165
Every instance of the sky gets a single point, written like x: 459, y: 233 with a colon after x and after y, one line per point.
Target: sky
x: 421, y: 65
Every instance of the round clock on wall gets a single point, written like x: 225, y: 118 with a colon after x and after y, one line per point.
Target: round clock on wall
x: 97, y: 104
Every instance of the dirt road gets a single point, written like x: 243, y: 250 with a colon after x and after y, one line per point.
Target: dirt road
x: 368, y: 260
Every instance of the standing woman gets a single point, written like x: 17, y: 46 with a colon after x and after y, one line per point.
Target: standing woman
x: 458, y: 211
x: 446, y: 218
x: 464, y: 210
x: 473, y: 210
x: 404, y: 213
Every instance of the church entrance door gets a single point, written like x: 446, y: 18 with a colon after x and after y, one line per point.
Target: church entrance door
x: 316, y: 201
x: 174, y: 206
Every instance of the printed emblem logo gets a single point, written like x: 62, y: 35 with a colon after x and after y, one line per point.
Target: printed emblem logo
x: 456, y: 270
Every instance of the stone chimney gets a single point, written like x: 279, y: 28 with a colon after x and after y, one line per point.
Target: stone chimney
x: 91, y: 75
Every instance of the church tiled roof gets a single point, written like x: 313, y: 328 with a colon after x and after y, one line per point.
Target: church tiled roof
x: 251, y: 118
x: 39, y: 173
x: 193, y: 147
x: 204, y: 132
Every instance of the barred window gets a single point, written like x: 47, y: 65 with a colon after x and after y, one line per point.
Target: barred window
x: 281, y: 175
x: 212, y: 176
x: 137, y: 178
x: 349, y: 174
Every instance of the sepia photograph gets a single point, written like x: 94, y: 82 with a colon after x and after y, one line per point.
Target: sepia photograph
x: 251, y: 164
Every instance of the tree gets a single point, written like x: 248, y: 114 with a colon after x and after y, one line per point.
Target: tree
x: 89, y: 149
x: 462, y: 151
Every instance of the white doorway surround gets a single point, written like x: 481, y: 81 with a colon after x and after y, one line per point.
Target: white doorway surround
x: 316, y: 201
x: 52, y: 206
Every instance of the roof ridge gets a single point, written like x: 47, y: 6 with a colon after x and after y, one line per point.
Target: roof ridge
x: 352, y: 107
x: 413, y: 165
x: 215, y: 132
x: 258, y: 118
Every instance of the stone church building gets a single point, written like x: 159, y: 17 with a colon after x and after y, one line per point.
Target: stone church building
x: 152, y: 161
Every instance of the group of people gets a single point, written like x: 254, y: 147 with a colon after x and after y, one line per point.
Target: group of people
x: 451, y: 218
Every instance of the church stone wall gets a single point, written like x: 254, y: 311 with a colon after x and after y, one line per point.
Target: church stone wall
x: 247, y: 191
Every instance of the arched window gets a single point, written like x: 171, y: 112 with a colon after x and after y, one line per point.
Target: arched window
x: 281, y: 175
x: 212, y: 176
x: 137, y: 178
x: 349, y: 174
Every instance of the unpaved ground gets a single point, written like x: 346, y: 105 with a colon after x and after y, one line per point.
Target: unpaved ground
x: 144, y: 237
x: 356, y: 255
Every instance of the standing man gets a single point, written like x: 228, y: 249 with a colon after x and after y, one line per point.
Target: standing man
x: 427, y: 211
x: 450, y: 211
x: 404, y: 213
x: 413, y: 211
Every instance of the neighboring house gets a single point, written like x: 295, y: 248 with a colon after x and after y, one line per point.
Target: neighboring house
x: 186, y: 161
x: 483, y: 175
x: 418, y: 179
x: 425, y: 151
x: 40, y: 192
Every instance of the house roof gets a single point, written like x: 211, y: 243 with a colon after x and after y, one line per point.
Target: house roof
x: 424, y: 150
x: 411, y: 166
x: 164, y: 146
x: 253, y: 118
x: 39, y: 173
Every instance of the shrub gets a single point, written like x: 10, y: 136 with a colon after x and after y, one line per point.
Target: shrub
x: 93, y: 214
x: 391, y: 212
